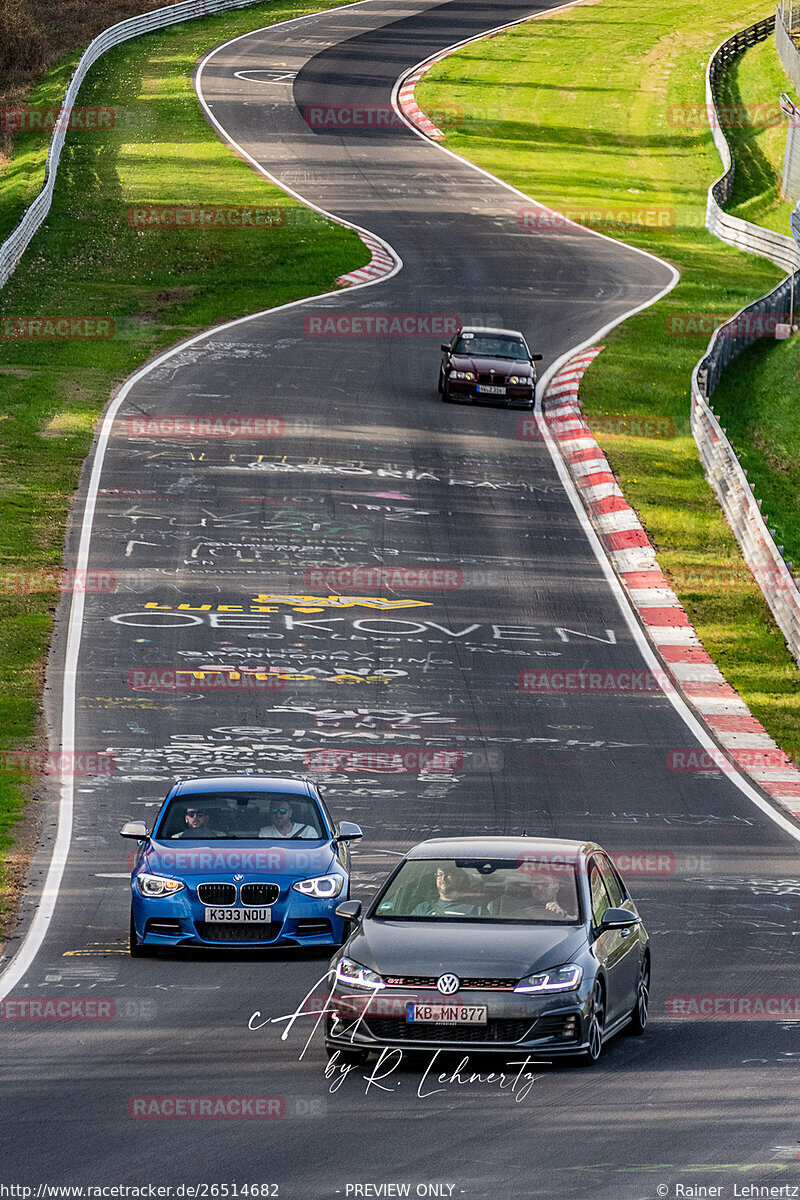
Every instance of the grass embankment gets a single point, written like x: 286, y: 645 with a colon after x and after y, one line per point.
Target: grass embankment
x: 38, y: 33
x: 598, y: 107
x: 756, y: 131
x: 158, y: 286
x: 759, y: 397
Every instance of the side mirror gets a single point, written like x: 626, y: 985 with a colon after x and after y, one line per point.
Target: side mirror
x: 445, y: 346
x: 619, y: 918
x: 536, y: 357
x: 134, y: 829
x: 347, y: 831
x: 349, y: 910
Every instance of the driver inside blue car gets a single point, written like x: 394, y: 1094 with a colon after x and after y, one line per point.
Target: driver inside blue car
x: 197, y: 824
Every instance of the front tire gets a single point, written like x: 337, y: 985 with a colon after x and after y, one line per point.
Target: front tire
x: 597, y: 1020
x: 638, y: 1021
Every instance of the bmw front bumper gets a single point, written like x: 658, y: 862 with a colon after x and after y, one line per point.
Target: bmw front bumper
x: 515, y: 397
x: 180, y: 920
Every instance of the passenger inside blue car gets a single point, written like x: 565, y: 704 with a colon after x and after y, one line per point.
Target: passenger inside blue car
x: 283, y: 823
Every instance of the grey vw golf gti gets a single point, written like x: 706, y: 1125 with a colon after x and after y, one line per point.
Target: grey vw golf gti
x: 488, y: 944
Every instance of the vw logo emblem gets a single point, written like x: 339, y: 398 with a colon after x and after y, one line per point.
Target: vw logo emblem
x: 238, y: 878
x: 447, y: 984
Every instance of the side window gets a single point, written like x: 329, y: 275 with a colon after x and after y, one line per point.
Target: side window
x: 613, y: 883
x: 600, y: 900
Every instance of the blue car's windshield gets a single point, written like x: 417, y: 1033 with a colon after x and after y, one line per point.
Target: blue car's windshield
x: 235, y: 815
x: 482, y: 890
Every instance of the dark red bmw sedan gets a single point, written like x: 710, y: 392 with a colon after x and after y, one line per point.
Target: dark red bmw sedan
x: 488, y: 366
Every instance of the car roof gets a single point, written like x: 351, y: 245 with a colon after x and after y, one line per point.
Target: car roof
x: 491, y: 329
x: 498, y: 847
x: 243, y: 783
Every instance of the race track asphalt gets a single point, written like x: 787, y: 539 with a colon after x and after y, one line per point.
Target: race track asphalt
x: 372, y: 469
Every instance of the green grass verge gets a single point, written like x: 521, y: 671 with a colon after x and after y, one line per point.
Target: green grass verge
x: 757, y: 402
x: 157, y: 286
x: 593, y: 108
x: 748, y: 93
x: 758, y: 397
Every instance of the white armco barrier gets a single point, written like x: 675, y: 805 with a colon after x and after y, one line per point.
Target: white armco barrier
x: 17, y: 242
x: 778, y: 247
x: 722, y: 468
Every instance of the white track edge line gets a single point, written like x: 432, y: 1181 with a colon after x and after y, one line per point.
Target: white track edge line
x: 681, y: 706
x: 25, y: 955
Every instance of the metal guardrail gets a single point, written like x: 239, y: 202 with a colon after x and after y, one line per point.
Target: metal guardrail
x: 786, y: 24
x: 744, y: 235
x: 15, y: 245
x: 720, y: 464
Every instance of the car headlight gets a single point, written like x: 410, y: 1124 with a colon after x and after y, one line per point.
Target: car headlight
x: 560, y: 979
x: 525, y: 379
x: 322, y: 887
x: 462, y: 374
x: 353, y: 973
x: 157, y: 885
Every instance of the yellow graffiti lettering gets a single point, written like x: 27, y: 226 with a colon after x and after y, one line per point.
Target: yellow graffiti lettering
x: 316, y: 603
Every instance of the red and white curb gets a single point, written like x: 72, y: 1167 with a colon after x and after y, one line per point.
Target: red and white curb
x: 406, y: 101
x: 408, y: 104
x: 382, y: 263
x: 690, y: 668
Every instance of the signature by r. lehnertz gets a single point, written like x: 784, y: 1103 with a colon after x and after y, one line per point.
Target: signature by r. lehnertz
x: 516, y: 1081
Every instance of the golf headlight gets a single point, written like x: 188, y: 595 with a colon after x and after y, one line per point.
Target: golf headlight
x: 560, y: 979
x: 462, y: 374
x: 157, y: 885
x: 322, y: 887
x: 354, y: 975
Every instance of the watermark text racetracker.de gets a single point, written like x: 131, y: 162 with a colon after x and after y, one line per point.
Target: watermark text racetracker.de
x: 361, y: 324
x: 32, y: 762
x: 415, y: 760
x: 742, y: 325
x: 77, y: 1008
x: 52, y: 579
x: 204, y: 425
x: 40, y: 118
x: 437, y: 578
x: 56, y: 328
x: 204, y: 679
x: 629, y: 862
x: 218, y: 216
x: 731, y: 1007
x: 373, y: 117
x: 618, y: 681
x: 601, y: 216
x: 608, y: 425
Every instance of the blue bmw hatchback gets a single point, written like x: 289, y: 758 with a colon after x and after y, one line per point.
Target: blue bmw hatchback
x: 240, y: 860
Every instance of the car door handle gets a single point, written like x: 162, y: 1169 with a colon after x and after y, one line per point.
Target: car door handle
x: 626, y: 933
